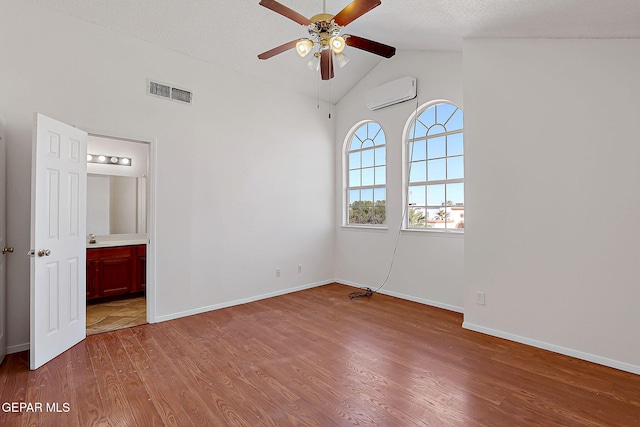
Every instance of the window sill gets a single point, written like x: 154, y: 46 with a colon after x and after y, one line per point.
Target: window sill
x: 365, y: 227
x: 435, y: 233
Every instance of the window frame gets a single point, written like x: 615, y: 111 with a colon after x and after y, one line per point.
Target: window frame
x: 346, y: 174
x: 406, y: 165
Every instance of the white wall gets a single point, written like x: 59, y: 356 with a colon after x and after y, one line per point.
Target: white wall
x: 244, y: 175
x: 553, y: 201
x: 428, y: 266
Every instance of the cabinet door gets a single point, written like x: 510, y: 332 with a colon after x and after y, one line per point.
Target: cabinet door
x: 115, y: 276
x: 93, y: 268
x: 141, y: 279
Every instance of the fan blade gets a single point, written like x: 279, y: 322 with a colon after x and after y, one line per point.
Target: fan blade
x: 285, y: 11
x: 326, y: 64
x: 276, y: 50
x: 355, y: 10
x: 370, y: 46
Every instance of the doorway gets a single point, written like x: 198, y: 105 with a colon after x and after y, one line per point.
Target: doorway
x: 117, y: 232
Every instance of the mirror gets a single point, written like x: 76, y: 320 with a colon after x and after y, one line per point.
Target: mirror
x: 116, y: 204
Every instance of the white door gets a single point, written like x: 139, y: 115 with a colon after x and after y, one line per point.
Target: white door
x: 3, y: 243
x: 58, y: 242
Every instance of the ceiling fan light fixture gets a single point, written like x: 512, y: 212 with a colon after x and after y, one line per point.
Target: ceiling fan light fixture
x: 303, y: 47
x: 337, y: 44
x: 341, y: 59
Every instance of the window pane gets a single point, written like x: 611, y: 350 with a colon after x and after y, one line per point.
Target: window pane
x: 444, y: 112
x: 355, y: 144
x: 436, y: 130
x: 416, y: 195
x: 367, y: 143
x: 354, y: 178
x: 367, y: 158
x: 353, y: 215
x: 455, y: 193
x: 366, y: 195
x: 380, y: 156
x: 354, y: 195
x: 417, y: 218
x: 456, y: 215
x: 379, y: 194
x: 455, y: 122
x: 418, y: 172
x: 435, y: 195
x: 367, y: 176
x: 361, y: 133
x: 436, y: 170
x: 455, y: 167
x: 417, y: 130
x: 418, y: 150
x: 428, y: 116
x: 372, y: 130
x: 354, y: 160
x: 436, y: 147
x: 455, y: 145
x: 432, y: 215
x: 381, y: 175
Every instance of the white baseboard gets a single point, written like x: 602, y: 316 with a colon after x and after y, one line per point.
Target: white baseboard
x: 623, y: 366
x: 18, y: 348
x: 204, y: 309
x: 406, y: 297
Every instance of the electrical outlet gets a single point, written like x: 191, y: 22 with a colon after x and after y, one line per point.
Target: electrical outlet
x: 299, y: 268
x: 277, y: 272
x: 480, y: 298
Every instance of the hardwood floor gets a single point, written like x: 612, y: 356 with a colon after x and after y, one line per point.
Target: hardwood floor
x: 117, y: 314
x: 316, y: 358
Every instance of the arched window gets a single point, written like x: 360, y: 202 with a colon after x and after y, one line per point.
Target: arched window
x: 366, y: 175
x: 435, y: 168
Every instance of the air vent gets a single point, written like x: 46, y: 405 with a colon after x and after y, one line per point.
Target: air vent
x: 163, y: 90
x: 181, y: 95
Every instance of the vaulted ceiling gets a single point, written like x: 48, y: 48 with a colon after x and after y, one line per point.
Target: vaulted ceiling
x: 231, y: 33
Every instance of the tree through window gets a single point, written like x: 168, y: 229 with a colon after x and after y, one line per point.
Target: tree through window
x: 367, y: 176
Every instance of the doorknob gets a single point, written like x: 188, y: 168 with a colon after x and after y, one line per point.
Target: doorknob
x: 6, y: 250
x: 44, y: 252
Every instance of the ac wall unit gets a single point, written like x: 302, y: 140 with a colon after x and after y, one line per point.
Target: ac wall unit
x: 391, y: 93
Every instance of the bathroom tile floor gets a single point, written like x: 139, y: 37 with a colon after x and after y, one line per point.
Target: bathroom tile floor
x: 112, y: 315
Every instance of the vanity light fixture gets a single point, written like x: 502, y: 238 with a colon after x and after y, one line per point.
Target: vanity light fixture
x: 108, y: 160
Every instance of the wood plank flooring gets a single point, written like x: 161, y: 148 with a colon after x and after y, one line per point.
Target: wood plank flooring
x: 316, y: 358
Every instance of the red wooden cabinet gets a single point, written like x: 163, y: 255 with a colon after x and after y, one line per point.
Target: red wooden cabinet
x: 115, y: 270
x: 141, y: 268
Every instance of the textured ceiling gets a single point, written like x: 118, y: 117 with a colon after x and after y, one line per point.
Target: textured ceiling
x: 231, y: 33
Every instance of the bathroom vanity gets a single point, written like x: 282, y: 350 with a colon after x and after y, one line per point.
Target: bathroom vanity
x: 116, y: 267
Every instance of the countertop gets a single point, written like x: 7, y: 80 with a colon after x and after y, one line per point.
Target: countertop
x: 111, y: 240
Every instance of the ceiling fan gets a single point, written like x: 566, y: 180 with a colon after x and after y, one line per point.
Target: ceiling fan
x: 325, y: 34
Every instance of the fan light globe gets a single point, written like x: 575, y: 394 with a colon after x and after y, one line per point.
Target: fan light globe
x: 314, y: 63
x: 341, y: 59
x: 303, y: 47
x: 337, y: 44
